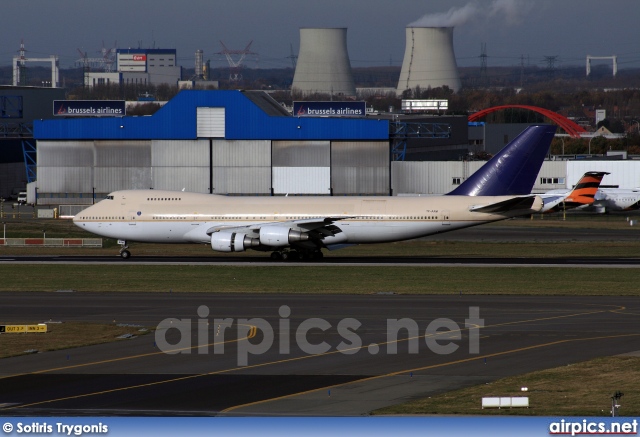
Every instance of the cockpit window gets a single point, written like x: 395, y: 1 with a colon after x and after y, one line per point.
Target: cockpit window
x: 109, y: 197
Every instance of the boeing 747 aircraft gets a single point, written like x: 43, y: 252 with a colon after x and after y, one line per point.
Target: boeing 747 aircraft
x: 300, y: 226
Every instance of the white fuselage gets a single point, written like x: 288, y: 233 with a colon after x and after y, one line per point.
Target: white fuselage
x: 181, y: 217
x: 617, y: 199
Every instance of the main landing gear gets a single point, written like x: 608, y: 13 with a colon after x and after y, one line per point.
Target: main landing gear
x: 294, y: 255
x: 124, y: 252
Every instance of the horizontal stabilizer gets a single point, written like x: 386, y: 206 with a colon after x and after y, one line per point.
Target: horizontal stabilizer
x: 553, y: 200
x: 517, y: 204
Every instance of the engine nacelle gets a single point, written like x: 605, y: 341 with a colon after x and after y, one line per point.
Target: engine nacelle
x: 278, y: 236
x: 232, y: 242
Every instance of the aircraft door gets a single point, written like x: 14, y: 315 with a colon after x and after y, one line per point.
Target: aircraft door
x: 445, y: 218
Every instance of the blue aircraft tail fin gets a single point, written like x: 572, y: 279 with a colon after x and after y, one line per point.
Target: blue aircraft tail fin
x: 514, y: 169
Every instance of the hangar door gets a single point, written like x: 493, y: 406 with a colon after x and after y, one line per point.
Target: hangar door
x: 301, y: 167
x: 210, y: 122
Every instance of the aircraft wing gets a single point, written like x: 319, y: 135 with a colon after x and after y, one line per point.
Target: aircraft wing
x: 513, y: 206
x: 320, y: 227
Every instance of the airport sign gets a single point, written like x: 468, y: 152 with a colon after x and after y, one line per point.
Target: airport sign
x: 19, y: 329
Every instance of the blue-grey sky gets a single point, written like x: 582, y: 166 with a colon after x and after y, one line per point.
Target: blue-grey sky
x: 569, y: 29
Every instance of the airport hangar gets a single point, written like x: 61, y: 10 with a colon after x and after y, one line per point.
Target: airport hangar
x: 220, y: 142
x: 245, y: 143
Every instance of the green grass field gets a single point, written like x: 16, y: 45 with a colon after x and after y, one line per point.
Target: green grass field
x: 283, y: 278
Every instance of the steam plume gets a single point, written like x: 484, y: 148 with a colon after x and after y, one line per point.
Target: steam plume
x: 511, y: 10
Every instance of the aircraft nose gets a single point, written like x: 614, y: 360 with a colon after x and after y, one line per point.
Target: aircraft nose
x: 78, y: 218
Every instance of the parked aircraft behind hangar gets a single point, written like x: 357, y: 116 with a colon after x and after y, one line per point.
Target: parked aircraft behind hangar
x: 615, y: 199
x: 300, y: 226
x: 582, y: 195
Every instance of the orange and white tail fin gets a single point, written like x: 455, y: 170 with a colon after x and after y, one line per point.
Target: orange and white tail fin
x: 585, y: 190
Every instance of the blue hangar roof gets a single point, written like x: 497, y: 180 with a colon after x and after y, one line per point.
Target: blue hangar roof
x: 249, y: 115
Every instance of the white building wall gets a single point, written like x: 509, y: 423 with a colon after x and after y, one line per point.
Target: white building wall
x: 435, y: 177
x: 552, y: 176
x: 624, y: 174
x: 430, y: 177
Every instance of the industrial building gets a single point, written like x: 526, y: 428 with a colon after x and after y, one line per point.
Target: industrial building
x: 140, y: 66
x: 223, y: 142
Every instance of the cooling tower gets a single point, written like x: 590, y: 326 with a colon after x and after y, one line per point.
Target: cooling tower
x: 429, y: 60
x: 323, y: 63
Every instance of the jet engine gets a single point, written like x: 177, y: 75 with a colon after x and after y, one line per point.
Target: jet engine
x: 232, y: 242
x: 278, y: 236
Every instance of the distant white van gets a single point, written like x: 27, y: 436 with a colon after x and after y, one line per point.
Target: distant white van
x: 22, y: 198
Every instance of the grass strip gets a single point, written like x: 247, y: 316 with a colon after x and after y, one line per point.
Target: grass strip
x: 282, y: 278
x: 582, y: 389
x: 61, y: 336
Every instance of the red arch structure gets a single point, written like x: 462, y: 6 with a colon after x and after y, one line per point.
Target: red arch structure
x: 573, y: 129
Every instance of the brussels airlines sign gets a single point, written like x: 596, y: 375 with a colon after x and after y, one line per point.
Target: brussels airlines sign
x: 89, y: 108
x: 329, y: 109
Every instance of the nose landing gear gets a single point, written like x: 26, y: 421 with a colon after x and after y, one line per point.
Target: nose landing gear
x: 124, y: 252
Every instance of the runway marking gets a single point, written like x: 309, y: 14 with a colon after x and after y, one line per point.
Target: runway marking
x: 252, y: 333
x: 417, y: 369
x: 217, y: 372
x: 625, y: 313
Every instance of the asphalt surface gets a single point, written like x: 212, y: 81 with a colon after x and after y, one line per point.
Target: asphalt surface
x: 424, y: 261
x: 357, y: 371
